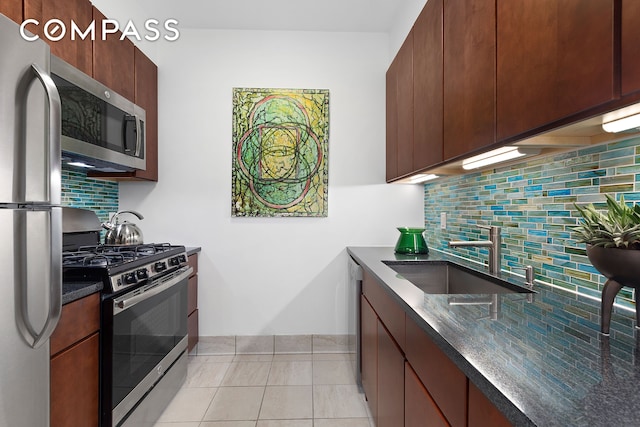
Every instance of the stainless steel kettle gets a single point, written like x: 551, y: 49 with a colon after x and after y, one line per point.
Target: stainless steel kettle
x: 125, y: 233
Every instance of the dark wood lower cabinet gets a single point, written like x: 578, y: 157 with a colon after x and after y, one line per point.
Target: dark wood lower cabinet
x: 446, y: 383
x: 74, y: 385
x: 390, y: 381
x: 74, y: 365
x: 192, y: 304
x: 369, y: 337
x: 419, y: 408
x: 418, y: 385
x: 483, y: 413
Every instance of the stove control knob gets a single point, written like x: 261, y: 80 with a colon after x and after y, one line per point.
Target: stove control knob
x: 174, y: 261
x: 129, y: 278
x: 142, y: 274
x: 159, y: 266
x: 183, y: 258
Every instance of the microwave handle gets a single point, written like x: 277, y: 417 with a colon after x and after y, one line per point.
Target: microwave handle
x: 129, y: 120
x: 139, y: 136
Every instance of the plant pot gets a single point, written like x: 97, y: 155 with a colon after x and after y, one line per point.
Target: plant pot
x: 621, y: 267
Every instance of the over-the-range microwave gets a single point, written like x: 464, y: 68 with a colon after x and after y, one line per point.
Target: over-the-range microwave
x: 101, y: 129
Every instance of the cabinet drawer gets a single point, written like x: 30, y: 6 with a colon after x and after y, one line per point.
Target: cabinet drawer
x: 192, y: 294
x: 79, y: 319
x: 446, y: 384
x: 193, y: 262
x: 389, y: 312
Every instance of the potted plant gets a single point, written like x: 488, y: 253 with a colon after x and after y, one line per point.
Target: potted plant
x: 613, y: 247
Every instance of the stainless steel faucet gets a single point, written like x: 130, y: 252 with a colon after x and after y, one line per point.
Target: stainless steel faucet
x: 494, y: 244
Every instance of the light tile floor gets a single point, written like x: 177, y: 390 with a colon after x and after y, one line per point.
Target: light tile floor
x: 282, y: 390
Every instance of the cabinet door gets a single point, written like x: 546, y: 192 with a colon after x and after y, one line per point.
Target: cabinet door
x: 113, y: 61
x: 369, y: 341
x: 404, y: 83
x: 392, y: 121
x: 555, y: 59
x: 146, y: 96
x: 446, y: 384
x: 420, y: 409
x: 427, y: 86
x: 390, y: 381
x: 12, y: 9
x: 76, y: 52
x: 470, y: 75
x: 74, y: 385
x: 482, y: 413
x: 192, y: 304
x: 389, y: 311
x: 630, y: 46
x: 192, y: 330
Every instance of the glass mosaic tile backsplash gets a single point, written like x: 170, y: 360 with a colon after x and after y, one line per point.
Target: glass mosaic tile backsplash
x: 79, y: 191
x: 533, y: 203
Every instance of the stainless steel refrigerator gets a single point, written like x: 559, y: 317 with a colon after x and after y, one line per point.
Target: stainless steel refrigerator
x: 30, y: 226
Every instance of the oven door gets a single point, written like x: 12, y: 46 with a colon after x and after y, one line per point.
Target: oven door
x: 145, y: 333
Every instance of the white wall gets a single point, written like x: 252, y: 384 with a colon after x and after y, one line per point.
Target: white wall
x: 271, y: 275
x: 403, y: 21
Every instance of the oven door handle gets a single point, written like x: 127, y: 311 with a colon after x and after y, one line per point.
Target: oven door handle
x: 127, y: 301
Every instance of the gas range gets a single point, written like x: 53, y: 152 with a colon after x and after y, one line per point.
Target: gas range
x: 122, y: 267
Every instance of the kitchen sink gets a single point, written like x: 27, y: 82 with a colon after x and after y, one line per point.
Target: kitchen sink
x: 442, y: 277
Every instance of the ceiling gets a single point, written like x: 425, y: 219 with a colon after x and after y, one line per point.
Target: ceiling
x: 290, y: 15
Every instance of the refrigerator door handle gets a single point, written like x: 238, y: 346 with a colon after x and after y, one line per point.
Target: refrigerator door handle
x: 34, y: 338
x: 54, y: 134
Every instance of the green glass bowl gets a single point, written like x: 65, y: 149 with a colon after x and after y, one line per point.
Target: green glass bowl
x: 411, y: 241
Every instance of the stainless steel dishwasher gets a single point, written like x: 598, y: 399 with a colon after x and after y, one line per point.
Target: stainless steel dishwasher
x: 355, y: 289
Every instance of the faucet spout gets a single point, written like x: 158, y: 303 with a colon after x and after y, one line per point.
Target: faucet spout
x: 494, y: 244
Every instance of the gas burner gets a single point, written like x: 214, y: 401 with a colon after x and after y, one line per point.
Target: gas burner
x: 131, y: 251
x: 86, y: 258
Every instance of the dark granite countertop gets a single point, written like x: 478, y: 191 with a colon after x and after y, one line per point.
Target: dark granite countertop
x: 76, y: 290
x: 542, y: 362
x: 193, y: 249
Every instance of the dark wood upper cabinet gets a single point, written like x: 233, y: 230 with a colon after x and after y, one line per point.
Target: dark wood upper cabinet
x: 630, y: 46
x: 469, y: 75
x: 146, y: 96
x: 405, y: 106
x: 427, y: 86
x: 392, y: 121
x: 399, y: 112
x: 555, y: 58
x: 113, y: 61
x: 76, y: 52
x: 12, y: 9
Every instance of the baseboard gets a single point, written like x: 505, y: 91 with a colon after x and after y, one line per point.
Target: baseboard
x: 274, y: 344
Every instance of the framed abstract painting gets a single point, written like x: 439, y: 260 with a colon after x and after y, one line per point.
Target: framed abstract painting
x: 280, y: 152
